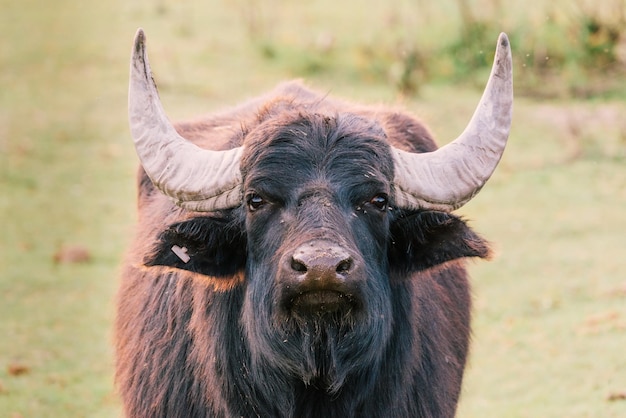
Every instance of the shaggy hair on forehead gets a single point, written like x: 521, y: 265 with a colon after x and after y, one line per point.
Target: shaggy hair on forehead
x: 296, y: 140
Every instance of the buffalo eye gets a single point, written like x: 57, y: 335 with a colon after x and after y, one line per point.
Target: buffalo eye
x: 380, y: 201
x: 254, y: 201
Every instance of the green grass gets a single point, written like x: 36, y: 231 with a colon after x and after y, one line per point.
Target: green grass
x: 550, y: 318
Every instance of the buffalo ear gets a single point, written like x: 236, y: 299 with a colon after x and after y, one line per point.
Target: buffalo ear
x: 211, y: 246
x: 424, y: 239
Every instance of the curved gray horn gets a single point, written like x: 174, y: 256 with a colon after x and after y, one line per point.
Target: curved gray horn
x: 196, y: 178
x: 448, y: 178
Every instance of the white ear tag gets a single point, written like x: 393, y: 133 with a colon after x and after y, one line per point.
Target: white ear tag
x: 181, y: 253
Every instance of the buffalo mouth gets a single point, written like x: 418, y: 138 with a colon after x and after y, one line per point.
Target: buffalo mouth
x: 320, y: 302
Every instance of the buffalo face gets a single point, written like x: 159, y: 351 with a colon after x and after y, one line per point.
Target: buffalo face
x: 317, y: 220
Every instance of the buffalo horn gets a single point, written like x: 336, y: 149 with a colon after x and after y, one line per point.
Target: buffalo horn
x: 195, y: 178
x: 448, y: 178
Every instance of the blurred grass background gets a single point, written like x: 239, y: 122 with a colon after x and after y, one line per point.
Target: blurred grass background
x: 550, y: 317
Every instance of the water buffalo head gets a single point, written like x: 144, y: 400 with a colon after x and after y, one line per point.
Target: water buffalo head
x: 329, y: 212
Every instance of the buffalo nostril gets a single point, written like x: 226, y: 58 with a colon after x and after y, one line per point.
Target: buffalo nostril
x: 344, y: 266
x: 298, y: 266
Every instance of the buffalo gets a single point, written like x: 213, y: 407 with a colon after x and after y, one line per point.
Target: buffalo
x: 297, y: 255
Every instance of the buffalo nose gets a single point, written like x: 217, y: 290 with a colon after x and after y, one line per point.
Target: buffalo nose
x: 320, y: 277
x: 321, y: 260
